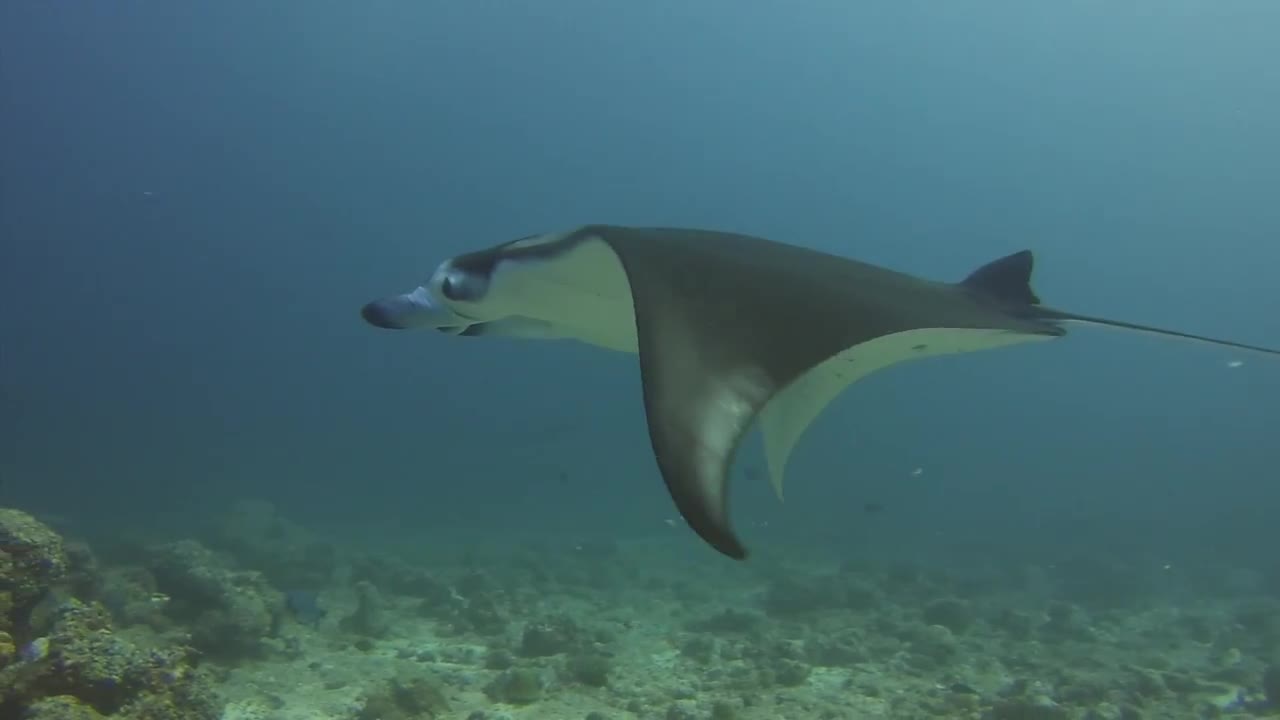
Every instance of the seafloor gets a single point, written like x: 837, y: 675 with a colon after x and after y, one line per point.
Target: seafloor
x: 256, y: 617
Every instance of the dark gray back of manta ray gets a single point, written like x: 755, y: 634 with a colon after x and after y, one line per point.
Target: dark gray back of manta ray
x: 710, y: 305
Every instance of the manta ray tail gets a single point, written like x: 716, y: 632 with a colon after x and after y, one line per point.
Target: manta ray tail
x: 1008, y: 281
x: 1061, y: 316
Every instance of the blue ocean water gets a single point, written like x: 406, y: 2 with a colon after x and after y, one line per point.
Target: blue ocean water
x: 197, y: 198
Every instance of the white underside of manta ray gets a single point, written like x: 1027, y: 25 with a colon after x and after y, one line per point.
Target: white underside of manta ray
x: 728, y: 328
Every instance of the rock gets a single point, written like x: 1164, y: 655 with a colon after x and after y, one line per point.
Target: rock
x: 1271, y: 684
x: 32, y: 559
x: 82, y: 668
x: 517, y: 686
x: 229, y: 611
x: 60, y: 707
x: 412, y: 698
x: 550, y: 637
x: 260, y: 538
x: 1034, y: 709
x: 591, y: 669
x: 729, y: 622
x: 951, y: 613
x: 370, y: 617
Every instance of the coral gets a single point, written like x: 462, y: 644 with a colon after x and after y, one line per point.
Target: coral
x: 370, y: 617
x: 1028, y: 710
x: 84, y: 659
x: 1259, y: 618
x: 841, y: 649
x: 591, y: 669
x: 951, y: 613
x: 699, y: 648
x: 498, y: 659
x: 304, y: 606
x: 32, y: 560
x: 729, y: 621
x: 417, y: 698
x: 130, y: 594
x: 722, y: 710
x: 83, y: 571
x: 483, y: 615
x: 789, y: 597
x: 1015, y: 623
x: 229, y: 611
x: 256, y: 535
x: 1271, y: 684
x: 550, y: 637
x: 475, y: 604
x: 1066, y: 622
x: 61, y: 707
x: 402, y: 578
x: 517, y: 686
x: 932, y: 646
x: 8, y: 649
x: 787, y: 672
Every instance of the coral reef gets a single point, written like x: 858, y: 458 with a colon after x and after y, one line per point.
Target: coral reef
x: 369, y: 617
x: 289, y: 555
x: 416, y: 698
x: 227, y: 611
x: 547, y: 631
x: 32, y: 559
x: 60, y: 655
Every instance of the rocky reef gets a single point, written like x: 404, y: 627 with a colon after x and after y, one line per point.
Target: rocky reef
x: 254, y: 618
x: 63, y: 657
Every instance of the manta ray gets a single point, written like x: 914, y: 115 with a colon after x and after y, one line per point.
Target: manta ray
x: 729, y: 328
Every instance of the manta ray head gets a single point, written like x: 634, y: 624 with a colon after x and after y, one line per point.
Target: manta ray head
x: 453, y: 297
x: 557, y: 285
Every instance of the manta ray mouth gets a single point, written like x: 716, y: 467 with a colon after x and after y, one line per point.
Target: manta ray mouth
x: 383, y: 314
x: 416, y: 309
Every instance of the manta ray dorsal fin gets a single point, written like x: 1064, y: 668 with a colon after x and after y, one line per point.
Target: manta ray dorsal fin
x: 1007, y: 279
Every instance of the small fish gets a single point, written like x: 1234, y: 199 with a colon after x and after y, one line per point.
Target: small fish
x: 1234, y: 363
x: 872, y: 507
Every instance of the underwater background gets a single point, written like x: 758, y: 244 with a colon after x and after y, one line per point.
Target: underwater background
x: 197, y: 198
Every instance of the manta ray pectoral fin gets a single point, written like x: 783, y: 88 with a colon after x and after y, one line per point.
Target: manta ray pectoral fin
x: 722, y: 322
x: 695, y: 424
x: 788, y: 415
x: 1007, y: 281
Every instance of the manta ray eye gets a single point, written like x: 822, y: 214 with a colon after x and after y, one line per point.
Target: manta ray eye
x: 460, y: 286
